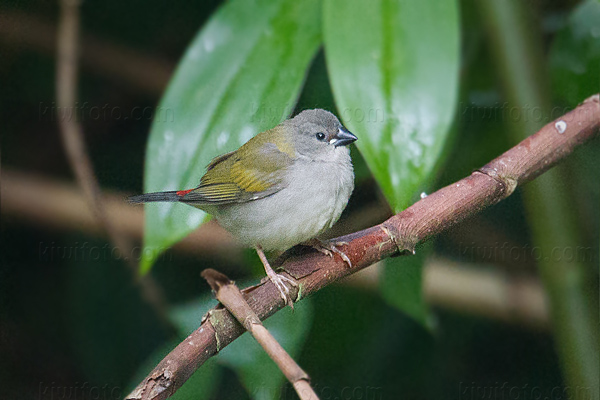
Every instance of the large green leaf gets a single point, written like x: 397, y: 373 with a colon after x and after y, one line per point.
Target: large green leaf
x: 575, y: 55
x: 393, y: 66
x: 241, y: 75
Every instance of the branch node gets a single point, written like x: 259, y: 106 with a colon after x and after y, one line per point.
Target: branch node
x: 595, y: 98
x: 223, y: 326
x: 251, y: 320
x: 408, y: 244
x: 508, y: 183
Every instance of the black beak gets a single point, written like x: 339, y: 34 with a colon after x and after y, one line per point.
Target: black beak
x: 343, y: 137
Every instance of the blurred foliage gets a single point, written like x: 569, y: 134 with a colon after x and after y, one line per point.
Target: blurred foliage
x: 575, y: 55
x: 66, y: 320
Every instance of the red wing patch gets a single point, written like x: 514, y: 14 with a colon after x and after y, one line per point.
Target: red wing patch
x: 182, y: 193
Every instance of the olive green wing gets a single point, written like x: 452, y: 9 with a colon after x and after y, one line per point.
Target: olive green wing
x: 242, y: 176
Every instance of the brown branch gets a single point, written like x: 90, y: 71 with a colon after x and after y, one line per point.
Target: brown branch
x: 43, y: 201
x: 232, y: 298
x: 399, y: 234
x: 58, y: 205
x: 72, y: 138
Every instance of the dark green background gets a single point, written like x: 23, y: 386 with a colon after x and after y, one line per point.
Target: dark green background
x: 65, y: 322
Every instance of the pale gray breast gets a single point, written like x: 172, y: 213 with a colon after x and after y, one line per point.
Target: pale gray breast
x: 314, y: 196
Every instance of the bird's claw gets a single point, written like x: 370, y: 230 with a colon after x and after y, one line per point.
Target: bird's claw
x: 279, y: 281
x: 328, y: 248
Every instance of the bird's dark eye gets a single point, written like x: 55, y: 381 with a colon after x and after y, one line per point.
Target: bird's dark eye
x: 320, y: 136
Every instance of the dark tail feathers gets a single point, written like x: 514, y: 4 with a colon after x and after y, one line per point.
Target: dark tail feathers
x: 157, y: 196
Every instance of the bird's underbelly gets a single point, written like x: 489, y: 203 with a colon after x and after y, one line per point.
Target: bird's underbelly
x: 299, y: 212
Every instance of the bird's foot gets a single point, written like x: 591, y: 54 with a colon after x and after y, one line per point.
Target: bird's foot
x: 329, y: 247
x: 280, y: 280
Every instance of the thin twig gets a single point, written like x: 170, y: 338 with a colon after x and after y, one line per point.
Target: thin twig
x: 70, y: 129
x: 232, y: 298
x: 72, y: 138
x: 398, y: 235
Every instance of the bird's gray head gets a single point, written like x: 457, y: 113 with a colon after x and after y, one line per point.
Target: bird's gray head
x: 319, y: 135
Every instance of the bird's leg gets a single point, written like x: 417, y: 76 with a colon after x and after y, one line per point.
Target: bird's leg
x: 277, y: 279
x: 328, y: 248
